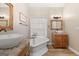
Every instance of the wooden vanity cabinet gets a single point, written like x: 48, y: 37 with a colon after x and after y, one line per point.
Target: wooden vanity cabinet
x: 60, y: 40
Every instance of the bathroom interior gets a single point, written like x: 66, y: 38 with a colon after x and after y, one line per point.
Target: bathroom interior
x: 39, y: 29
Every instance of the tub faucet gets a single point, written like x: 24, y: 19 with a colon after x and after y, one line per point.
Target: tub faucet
x: 34, y: 35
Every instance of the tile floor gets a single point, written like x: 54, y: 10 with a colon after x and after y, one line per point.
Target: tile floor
x: 59, y: 52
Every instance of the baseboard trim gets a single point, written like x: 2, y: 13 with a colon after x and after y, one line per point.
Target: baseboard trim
x: 73, y: 50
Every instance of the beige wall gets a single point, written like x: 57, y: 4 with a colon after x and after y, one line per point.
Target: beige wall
x: 23, y: 8
x: 38, y: 11
x: 71, y: 22
x: 45, y: 11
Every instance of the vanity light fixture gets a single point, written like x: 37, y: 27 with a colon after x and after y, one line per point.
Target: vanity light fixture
x: 1, y: 17
x: 57, y: 17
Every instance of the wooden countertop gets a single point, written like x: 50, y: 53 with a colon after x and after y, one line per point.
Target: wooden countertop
x: 15, y: 50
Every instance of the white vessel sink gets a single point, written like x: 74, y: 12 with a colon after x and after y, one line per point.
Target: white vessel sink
x: 60, y: 32
x: 10, y: 40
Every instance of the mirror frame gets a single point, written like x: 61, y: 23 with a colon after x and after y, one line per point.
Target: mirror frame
x: 10, y: 26
x: 61, y: 28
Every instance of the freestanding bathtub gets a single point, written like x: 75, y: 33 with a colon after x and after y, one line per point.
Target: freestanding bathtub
x: 39, y: 46
x: 10, y: 40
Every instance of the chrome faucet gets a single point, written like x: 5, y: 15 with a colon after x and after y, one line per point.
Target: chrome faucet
x: 34, y: 35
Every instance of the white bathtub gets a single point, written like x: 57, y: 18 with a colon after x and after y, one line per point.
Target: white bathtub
x: 10, y: 40
x: 39, y: 45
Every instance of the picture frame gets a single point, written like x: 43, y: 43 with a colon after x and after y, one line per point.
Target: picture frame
x: 56, y: 25
x: 22, y: 17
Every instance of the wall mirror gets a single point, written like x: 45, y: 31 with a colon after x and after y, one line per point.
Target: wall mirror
x: 56, y: 25
x: 6, y: 16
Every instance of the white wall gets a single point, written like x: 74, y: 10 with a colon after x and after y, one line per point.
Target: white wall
x: 20, y: 7
x: 45, y: 11
x: 38, y: 11
x: 71, y: 21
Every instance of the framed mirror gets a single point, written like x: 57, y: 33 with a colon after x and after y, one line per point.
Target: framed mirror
x: 56, y: 25
x: 6, y: 16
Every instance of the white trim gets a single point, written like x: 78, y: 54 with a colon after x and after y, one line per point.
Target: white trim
x: 73, y: 50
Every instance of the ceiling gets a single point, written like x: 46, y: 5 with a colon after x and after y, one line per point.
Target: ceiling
x: 46, y: 4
